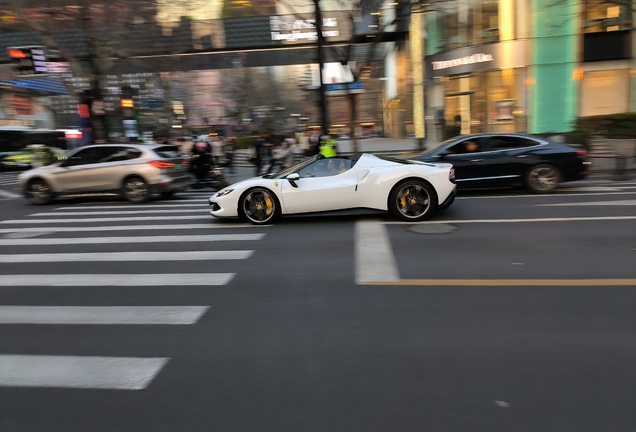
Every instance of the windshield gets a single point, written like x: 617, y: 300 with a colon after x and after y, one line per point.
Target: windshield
x: 284, y: 173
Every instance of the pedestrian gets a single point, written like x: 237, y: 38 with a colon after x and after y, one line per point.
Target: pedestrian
x: 314, y: 144
x: 328, y: 147
x: 229, y: 154
x: 218, y: 152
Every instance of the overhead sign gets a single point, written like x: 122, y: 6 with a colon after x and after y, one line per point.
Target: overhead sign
x: 475, y: 58
x: 290, y: 28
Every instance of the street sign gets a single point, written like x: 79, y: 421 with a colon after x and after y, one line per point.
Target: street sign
x: 344, y: 88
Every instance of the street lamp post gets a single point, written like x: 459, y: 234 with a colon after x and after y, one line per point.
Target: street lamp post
x: 321, y: 41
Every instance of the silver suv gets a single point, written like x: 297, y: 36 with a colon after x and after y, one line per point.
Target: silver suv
x: 134, y: 171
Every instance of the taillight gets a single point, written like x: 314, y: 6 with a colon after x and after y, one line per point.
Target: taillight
x: 581, y: 153
x: 160, y: 164
x: 185, y: 163
x: 451, y: 174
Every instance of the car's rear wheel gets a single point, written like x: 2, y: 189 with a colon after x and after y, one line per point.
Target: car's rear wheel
x: 542, y: 178
x: 136, y: 190
x: 412, y: 200
x: 259, y: 206
x: 39, y: 192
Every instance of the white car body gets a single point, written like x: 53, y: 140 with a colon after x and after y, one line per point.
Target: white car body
x: 367, y: 184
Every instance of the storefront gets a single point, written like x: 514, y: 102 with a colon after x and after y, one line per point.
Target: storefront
x: 477, y: 89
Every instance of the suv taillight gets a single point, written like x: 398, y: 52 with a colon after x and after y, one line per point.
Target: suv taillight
x: 161, y: 164
x: 581, y: 153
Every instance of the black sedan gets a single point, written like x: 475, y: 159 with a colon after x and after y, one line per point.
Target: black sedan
x: 508, y: 160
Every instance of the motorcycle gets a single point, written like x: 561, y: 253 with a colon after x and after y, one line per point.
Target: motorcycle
x: 215, y: 178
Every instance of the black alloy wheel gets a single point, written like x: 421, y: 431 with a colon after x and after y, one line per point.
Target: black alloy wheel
x: 259, y: 206
x: 412, y: 200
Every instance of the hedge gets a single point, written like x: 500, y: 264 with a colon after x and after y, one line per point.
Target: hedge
x: 614, y: 126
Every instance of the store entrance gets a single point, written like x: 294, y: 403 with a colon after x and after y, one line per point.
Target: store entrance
x: 465, y: 105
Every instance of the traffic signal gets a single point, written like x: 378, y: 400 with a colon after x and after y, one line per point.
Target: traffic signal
x: 28, y: 61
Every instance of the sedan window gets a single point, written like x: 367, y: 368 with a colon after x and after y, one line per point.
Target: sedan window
x: 471, y: 145
x: 510, y: 143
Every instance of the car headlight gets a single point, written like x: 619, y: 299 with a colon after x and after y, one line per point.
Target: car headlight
x: 224, y: 192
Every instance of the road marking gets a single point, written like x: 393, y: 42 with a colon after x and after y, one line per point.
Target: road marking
x: 374, y: 256
x: 131, y: 206
x: 127, y: 256
x: 102, y: 315
x: 103, y: 280
x: 7, y: 194
x: 117, y: 212
x: 121, y: 240
x: 130, y: 228
x: 589, y: 189
x: 543, y: 195
x: 112, y: 373
x: 112, y: 219
x: 468, y: 221
x: 591, y: 203
x: 506, y: 282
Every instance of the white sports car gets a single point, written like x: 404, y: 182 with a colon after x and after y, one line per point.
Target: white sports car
x: 409, y: 189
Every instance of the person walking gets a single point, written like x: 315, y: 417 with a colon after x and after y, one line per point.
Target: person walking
x: 257, y: 143
x: 218, y: 153
x: 229, y: 154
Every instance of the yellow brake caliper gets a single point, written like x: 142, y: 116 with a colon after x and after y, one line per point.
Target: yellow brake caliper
x: 403, y: 199
x: 270, y: 206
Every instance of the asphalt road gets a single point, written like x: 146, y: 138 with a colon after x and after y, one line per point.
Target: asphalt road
x: 339, y: 323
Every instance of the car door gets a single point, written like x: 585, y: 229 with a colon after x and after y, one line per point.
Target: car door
x: 519, y: 156
x: 76, y: 174
x: 320, y: 188
x: 467, y: 157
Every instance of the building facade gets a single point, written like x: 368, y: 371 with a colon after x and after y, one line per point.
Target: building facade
x: 526, y: 65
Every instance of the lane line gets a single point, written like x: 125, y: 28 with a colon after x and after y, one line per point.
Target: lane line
x: 7, y: 194
x: 544, y: 195
x: 374, y: 255
x: 128, y: 240
x: 111, y: 280
x: 116, y: 212
x: 112, y: 373
x: 129, y: 228
x: 591, y: 203
x: 468, y: 221
x: 127, y: 256
x: 111, y: 219
x: 102, y: 315
x: 506, y: 282
x: 131, y: 206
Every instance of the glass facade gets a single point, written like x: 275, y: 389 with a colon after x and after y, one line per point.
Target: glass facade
x: 606, y: 15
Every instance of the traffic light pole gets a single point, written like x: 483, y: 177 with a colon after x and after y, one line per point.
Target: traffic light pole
x: 323, y: 100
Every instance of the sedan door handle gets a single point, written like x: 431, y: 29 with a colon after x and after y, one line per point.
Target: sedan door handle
x: 520, y: 156
x: 476, y: 160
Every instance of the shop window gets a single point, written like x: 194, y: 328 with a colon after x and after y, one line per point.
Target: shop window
x: 468, y: 23
x: 603, y: 92
x: 606, y: 15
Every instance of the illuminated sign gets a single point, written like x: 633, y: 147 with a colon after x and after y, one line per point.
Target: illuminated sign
x: 472, y: 59
x: 127, y: 103
x: 289, y: 28
x: 28, y: 60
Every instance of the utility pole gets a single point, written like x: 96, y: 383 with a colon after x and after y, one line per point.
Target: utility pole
x: 323, y: 100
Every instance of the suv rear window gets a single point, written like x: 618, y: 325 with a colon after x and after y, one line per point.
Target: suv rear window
x: 167, y: 152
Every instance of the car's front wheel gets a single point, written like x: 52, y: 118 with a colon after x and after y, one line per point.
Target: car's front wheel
x: 412, y: 200
x: 136, y: 190
x: 542, y: 178
x: 39, y: 192
x: 259, y: 206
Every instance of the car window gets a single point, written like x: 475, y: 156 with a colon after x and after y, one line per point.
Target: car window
x: 119, y: 154
x: 167, y: 152
x: 85, y: 156
x: 510, y: 143
x: 326, y: 168
x: 470, y: 145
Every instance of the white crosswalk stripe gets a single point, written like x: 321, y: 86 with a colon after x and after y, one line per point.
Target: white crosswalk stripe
x: 69, y: 226
x: 9, y: 179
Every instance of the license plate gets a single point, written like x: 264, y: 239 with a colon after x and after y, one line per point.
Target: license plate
x: 178, y: 167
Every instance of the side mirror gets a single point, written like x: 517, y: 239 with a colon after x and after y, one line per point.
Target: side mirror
x: 443, y: 154
x: 293, y: 178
